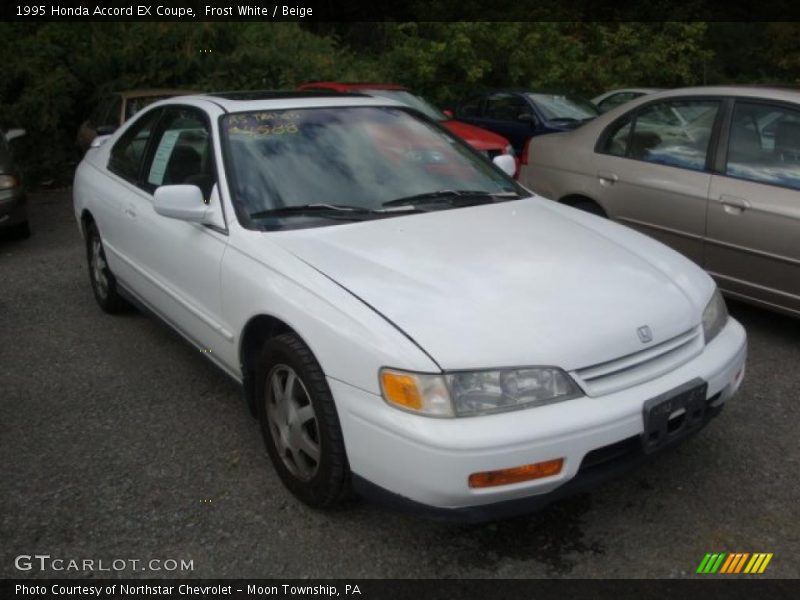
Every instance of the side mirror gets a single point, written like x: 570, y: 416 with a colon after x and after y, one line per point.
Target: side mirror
x: 529, y: 118
x: 506, y: 163
x: 106, y: 129
x: 448, y: 113
x: 184, y: 202
x: 13, y: 134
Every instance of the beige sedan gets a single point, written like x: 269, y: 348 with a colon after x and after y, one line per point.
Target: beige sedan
x: 713, y: 172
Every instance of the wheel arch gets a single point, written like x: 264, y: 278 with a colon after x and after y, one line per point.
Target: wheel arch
x: 258, y: 329
x: 576, y: 199
x: 87, y: 218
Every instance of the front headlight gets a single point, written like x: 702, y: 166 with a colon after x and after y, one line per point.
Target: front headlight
x: 470, y: 393
x: 715, y: 316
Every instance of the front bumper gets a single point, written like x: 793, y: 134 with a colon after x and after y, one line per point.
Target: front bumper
x: 425, y: 462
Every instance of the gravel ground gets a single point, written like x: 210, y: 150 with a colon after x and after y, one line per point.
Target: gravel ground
x: 119, y: 441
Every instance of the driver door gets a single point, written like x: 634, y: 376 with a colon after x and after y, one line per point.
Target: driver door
x: 180, y: 261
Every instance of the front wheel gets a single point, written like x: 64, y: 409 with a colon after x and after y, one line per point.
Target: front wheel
x: 299, y: 423
x: 103, y: 283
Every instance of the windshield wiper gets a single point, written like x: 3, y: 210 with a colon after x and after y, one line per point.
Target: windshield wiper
x: 454, y: 197
x: 330, y: 211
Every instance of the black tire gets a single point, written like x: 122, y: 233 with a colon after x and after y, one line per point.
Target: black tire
x: 590, y: 207
x: 104, y: 285
x: 323, y: 483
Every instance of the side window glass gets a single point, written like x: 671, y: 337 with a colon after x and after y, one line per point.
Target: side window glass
x: 471, y: 108
x: 183, y: 152
x: 127, y: 154
x: 674, y: 133
x: 506, y: 107
x: 764, y: 144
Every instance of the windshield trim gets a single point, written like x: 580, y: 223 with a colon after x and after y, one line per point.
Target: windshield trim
x: 230, y: 171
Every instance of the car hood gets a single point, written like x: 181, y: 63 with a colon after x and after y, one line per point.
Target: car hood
x: 510, y: 284
x: 480, y: 139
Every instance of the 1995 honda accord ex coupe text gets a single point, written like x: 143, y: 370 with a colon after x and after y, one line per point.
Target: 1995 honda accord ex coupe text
x: 406, y: 320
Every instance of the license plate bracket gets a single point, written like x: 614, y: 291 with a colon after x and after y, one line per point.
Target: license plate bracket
x: 673, y: 415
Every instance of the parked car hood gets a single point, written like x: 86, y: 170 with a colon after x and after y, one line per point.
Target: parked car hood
x: 509, y: 284
x: 478, y: 138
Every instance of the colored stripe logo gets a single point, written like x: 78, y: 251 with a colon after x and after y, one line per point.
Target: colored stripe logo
x: 734, y: 562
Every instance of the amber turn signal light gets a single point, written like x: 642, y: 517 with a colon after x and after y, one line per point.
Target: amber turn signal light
x: 516, y: 474
x: 401, y: 389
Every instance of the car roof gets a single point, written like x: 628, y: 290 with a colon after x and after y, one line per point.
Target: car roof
x: 276, y: 94
x: 644, y: 90
x: 523, y: 90
x: 746, y: 91
x: 145, y: 93
x: 282, y: 100
x: 350, y: 86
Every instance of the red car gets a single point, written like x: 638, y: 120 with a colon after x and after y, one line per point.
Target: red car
x: 485, y: 141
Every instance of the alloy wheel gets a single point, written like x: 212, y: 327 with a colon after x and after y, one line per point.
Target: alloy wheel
x: 292, y: 422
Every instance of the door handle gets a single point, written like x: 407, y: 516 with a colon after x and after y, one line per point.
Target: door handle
x: 734, y: 205
x: 607, y: 177
x: 130, y: 212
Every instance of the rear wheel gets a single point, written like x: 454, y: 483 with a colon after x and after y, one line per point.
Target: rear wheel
x: 299, y: 423
x: 104, y: 285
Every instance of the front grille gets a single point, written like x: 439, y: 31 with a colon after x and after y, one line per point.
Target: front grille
x: 632, y: 369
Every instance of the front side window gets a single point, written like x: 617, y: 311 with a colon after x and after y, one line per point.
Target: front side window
x: 506, y: 107
x: 675, y: 133
x: 353, y: 161
x: 128, y: 152
x: 182, y: 152
x: 764, y: 144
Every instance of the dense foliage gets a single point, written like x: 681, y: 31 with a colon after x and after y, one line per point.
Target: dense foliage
x: 55, y: 72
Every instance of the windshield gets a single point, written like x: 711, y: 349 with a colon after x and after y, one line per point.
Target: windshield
x: 558, y: 107
x: 348, y: 158
x: 409, y: 99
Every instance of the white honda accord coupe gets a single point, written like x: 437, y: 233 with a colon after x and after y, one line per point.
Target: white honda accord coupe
x: 406, y: 320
